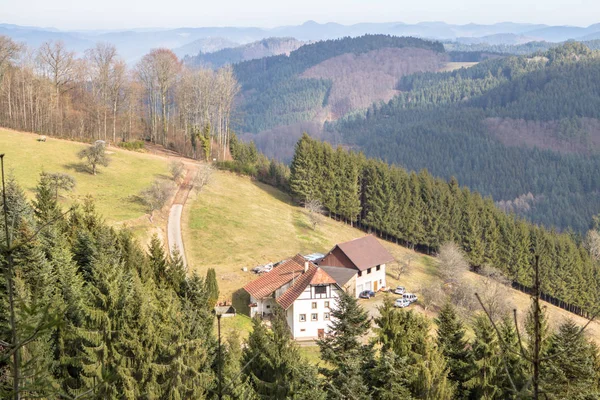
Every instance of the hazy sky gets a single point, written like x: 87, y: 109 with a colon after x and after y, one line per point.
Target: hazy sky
x: 112, y: 14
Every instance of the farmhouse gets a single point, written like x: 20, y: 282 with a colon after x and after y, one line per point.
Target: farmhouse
x: 357, y: 265
x: 305, y: 291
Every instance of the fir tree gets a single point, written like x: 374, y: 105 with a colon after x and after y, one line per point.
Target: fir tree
x: 487, y: 361
x: 453, y: 345
x: 344, y: 351
x: 569, y: 370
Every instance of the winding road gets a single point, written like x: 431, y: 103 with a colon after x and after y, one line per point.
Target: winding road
x: 174, y: 234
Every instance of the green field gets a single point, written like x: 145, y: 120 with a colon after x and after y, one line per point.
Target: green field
x: 114, y: 188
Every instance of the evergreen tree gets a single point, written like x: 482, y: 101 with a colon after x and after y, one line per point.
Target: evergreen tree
x: 406, y: 334
x: 275, y: 368
x: 569, y: 370
x: 344, y: 351
x: 302, y: 170
x: 157, y: 259
x: 487, y: 361
x: 212, y: 287
x: 453, y: 345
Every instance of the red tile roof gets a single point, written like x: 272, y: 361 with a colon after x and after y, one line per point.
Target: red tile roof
x: 292, y: 269
x: 365, y: 252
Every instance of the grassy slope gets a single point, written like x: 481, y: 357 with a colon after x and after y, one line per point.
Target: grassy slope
x: 237, y: 223
x: 113, y: 188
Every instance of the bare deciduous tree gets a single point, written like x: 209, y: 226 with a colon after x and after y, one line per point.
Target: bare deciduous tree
x: 432, y: 296
x: 315, y: 212
x: 403, y: 265
x: 452, y: 263
x: 592, y: 242
x: 156, y: 196
x: 176, y: 168
x: 203, y: 176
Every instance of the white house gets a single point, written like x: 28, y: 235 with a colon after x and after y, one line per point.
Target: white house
x: 358, y: 265
x: 305, y: 291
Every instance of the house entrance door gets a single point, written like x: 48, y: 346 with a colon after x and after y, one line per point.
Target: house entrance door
x: 374, y: 286
x: 321, y: 333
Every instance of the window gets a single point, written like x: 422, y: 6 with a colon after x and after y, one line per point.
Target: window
x: 302, y: 330
x: 302, y: 317
x: 380, y: 282
x: 314, y: 305
x: 326, y: 316
x: 314, y: 317
x: 268, y: 306
x: 359, y: 273
x: 320, y: 289
x: 369, y: 271
x: 326, y: 304
x: 378, y: 267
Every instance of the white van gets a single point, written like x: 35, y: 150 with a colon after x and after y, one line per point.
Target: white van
x: 410, y: 297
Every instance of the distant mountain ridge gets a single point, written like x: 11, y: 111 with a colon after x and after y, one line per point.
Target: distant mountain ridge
x: 134, y: 43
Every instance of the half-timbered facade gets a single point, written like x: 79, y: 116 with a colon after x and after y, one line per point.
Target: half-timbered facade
x: 305, y: 291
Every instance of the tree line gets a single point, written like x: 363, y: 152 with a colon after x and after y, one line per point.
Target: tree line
x: 441, y: 115
x: 424, y: 212
x: 96, y: 96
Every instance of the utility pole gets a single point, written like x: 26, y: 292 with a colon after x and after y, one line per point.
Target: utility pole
x: 9, y: 283
x: 220, y: 365
x: 536, y: 330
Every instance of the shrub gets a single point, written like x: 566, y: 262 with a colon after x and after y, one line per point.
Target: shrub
x: 136, y: 145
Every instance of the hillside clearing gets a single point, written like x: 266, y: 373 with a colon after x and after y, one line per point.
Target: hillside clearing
x: 236, y: 222
x: 114, y: 188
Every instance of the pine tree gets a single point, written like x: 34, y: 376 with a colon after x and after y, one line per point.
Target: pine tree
x: 406, y: 334
x: 157, y: 259
x: 453, y: 345
x: 176, y: 272
x: 569, y: 371
x: 275, y: 368
x: 344, y: 351
x: 515, y: 371
x: 487, y: 361
x: 303, y: 180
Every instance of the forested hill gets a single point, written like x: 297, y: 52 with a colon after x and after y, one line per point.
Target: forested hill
x: 235, y: 54
x: 283, y: 90
x: 522, y: 129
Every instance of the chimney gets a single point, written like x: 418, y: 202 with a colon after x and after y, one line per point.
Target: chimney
x: 305, y: 266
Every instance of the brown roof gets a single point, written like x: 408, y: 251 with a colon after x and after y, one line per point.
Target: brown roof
x: 365, y: 252
x: 276, y: 278
x: 292, y: 269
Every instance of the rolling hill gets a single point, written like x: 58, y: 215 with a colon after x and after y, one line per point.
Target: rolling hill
x: 506, y: 127
x: 326, y: 80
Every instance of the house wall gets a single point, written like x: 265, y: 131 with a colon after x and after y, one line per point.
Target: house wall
x: 303, y: 305
x: 366, y: 281
x: 263, y: 306
x: 337, y: 258
x: 350, y: 287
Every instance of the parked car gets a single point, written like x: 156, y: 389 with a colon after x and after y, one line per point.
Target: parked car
x: 366, y: 294
x: 400, y: 290
x: 401, y: 303
x: 409, y: 297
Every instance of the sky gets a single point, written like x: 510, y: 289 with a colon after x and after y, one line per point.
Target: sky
x: 120, y: 14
